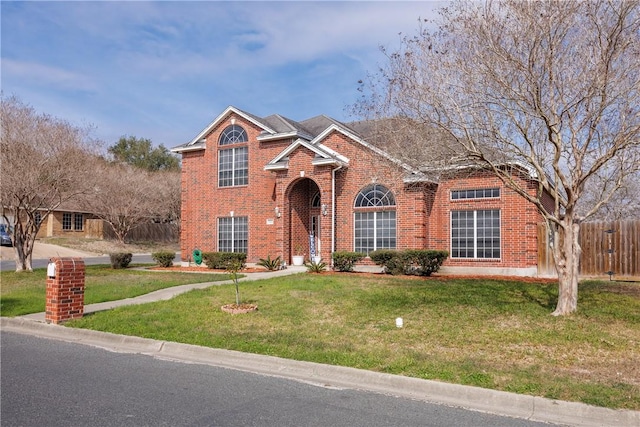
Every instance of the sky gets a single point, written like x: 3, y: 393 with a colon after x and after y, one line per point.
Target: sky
x: 164, y: 70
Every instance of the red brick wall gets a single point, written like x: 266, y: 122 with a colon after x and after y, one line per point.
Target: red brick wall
x: 518, y: 220
x: 422, y: 210
x: 203, y: 202
x: 367, y: 167
x: 65, y: 290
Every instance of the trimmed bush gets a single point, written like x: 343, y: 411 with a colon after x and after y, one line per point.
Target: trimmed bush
x: 394, y: 262
x: 221, y: 260
x: 344, y: 261
x: 164, y: 258
x: 422, y: 262
x: 120, y: 260
x: 427, y: 261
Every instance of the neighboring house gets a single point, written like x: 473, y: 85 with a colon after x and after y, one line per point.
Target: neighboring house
x: 64, y: 222
x: 266, y: 186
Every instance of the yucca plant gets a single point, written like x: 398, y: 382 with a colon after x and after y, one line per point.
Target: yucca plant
x: 315, y: 267
x: 270, y: 264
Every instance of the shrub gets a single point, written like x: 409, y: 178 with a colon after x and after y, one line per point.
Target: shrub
x: 220, y: 260
x: 270, y: 264
x: 315, y: 267
x: 427, y: 262
x: 394, y: 262
x: 120, y: 259
x: 164, y: 258
x: 422, y: 262
x: 344, y: 261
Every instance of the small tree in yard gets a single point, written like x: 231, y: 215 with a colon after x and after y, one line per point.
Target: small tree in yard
x: 543, y: 94
x: 46, y: 162
x: 233, y: 266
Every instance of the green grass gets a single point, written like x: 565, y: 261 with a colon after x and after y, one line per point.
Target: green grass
x: 24, y: 293
x: 488, y: 333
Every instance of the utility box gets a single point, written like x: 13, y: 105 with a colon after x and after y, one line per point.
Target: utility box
x: 65, y: 290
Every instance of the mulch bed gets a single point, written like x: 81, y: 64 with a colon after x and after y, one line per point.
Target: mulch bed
x: 363, y: 274
x: 180, y: 269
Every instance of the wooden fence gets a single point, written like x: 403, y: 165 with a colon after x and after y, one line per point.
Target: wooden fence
x: 149, y: 232
x: 607, y: 247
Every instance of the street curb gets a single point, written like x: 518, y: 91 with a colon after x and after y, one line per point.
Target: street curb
x: 472, y: 398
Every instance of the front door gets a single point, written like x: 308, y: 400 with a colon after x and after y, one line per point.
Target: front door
x: 315, y: 232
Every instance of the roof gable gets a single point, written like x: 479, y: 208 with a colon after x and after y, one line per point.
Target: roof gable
x: 249, y: 117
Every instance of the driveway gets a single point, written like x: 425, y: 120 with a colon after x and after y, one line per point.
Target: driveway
x: 46, y: 251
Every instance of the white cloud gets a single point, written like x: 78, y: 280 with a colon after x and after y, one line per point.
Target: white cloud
x: 167, y: 68
x: 45, y: 75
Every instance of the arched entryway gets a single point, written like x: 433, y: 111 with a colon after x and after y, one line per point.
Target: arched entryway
x: 304, y: 218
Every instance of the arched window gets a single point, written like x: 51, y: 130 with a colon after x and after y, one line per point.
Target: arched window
x: 233, y: 134
x: 233, y: 163
x: 315, y: 200
x: 374, y: 228
x: 375, y: 195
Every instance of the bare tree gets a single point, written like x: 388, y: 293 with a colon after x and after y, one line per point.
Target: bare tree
x: 624, y: 204
x: 123, y: 196
x: 44, y: 164
x: 126, y: 197
x: 551, y: 88
x: 168, y: 197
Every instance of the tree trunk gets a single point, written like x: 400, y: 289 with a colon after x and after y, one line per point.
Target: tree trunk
x: 567, y: 256
x: 23, y: 251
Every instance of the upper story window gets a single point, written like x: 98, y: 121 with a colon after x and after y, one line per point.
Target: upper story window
x: 233, y: 134
x: 233, y: 163
x: 481, y: 193
x: 374, y: 228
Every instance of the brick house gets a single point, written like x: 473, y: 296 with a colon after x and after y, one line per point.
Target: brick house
x: 63, y: 222
x: 269, y: 186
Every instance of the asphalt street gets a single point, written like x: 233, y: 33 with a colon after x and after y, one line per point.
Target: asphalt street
x: 43, y: 252
x: 54, y: 383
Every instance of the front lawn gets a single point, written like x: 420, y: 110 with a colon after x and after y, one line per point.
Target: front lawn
x: 496, y: 334
x: 24, y: 293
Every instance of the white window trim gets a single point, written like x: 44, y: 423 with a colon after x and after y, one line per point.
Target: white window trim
x: 475, y: 233
x: 475, y: 198
x: 233, y: 223
x: 375, y: 229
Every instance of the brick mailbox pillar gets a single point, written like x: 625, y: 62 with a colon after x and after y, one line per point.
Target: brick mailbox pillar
x: 65, y: 290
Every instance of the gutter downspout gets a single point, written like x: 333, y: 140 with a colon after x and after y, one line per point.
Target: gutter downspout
x: 333, y: 211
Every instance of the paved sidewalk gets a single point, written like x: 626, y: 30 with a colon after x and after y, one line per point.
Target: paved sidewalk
x: 168, y: 293
x: 473, y: 398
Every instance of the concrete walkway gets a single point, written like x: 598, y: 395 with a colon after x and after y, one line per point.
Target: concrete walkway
x: 168, y: 293
x: 473, y: 398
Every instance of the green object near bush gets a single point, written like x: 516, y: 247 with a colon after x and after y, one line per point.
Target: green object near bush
x: 120, y: 259
x: 221, y: 260
x: 164, y: 258
x: 421, y: 262
x: 344, y: 261
x: 197, y: 256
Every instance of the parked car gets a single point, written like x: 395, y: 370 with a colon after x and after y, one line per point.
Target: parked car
x: 5, y: 237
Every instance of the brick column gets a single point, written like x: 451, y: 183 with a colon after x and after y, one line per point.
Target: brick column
x: 65, y: 290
